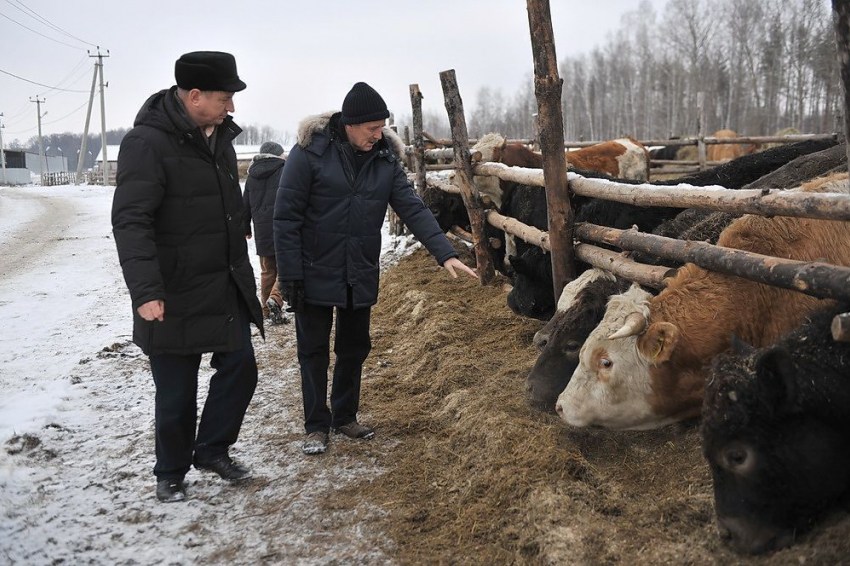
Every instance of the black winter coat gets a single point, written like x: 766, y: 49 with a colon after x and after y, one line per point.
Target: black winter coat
x: 177, y: 220
x: 327, y: 227
x: 258, y: 199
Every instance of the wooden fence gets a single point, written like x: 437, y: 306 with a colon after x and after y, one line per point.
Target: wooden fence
x: 683, y: 166
x: 813, y: 278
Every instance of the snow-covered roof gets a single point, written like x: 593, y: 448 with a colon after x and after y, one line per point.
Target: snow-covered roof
x: 111, y: 153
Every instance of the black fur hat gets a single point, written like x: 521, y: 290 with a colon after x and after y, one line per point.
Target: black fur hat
x: 207, y: 70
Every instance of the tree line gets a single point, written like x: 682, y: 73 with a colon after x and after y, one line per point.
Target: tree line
x: 762, y: 66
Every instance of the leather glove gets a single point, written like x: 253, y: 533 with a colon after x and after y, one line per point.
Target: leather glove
x: 293, y: 293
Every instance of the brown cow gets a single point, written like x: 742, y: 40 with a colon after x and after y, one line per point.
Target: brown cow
x: 644, y: 366
x: 727, y: 151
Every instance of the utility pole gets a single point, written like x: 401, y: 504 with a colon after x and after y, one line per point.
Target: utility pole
x: 99, y: 63
x: 2, y: 150
x: 40, y: 139
x: 86, y: 130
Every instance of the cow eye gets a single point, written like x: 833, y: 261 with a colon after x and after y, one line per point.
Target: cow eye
x: 738, y: 459
x: 605, y: 363
x: 572, y: 346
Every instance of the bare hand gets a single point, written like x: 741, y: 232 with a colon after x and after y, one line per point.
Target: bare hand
x: 152, y: 310
x: 454, y: 263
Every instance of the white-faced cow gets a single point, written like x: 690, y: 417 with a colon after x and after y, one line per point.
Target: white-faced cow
x: 644, y: 365
x: 579, y: 311
x: 776, y: 433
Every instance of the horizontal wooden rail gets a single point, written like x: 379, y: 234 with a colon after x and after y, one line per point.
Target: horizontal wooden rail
x: 525, y: 232
x: 649, y: 275
x: 443, y: 185
x: 765, y: 202
x: 522, y: 175
x: 813, y: 278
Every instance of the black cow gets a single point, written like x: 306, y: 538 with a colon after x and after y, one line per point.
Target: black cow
x: 667, y: 152
x: 776, y: 433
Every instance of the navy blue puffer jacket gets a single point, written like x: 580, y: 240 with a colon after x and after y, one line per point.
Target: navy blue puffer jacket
x: 328, y: 229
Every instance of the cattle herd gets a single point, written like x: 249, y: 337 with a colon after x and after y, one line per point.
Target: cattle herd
x: 756, y: 363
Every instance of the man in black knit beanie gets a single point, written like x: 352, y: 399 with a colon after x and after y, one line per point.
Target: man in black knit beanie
x: 338, y: 181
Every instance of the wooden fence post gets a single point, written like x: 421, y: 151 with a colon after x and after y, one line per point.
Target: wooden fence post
x: 701, y: 152
x: 463, y: 175
x: 841, y: 17
x: 418, y: 141
x: 547, y: 89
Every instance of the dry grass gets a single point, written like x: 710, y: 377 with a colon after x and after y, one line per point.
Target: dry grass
x: 478, y: 478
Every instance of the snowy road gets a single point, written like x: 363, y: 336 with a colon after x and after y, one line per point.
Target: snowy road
x: 76, y: 422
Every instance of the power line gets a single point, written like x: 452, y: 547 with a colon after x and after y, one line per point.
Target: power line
x: 39, y: 84
x: 41, y: 34
x: 69, y: 114
x: 38, y: 17
x: 68, y: 76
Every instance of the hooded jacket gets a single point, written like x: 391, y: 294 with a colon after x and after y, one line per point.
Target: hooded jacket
x: 328, y: 215
x: 177, y: 220
x: 258, y: 200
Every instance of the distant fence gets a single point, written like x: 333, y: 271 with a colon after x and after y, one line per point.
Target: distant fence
x: 443, y: 150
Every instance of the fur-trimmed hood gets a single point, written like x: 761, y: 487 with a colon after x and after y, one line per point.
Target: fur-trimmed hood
x: 318, y: 123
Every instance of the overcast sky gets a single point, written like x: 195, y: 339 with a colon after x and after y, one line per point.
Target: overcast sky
x: 298, y: 58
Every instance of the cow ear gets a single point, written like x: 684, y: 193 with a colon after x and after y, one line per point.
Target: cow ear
x: 776, y: 371
x: 657, y: 343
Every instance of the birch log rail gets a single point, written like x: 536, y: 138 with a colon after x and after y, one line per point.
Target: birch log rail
x: 765, y: 202
x: 616, y: 263
x: 811, y: 278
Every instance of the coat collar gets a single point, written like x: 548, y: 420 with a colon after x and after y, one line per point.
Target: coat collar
x: 314, y: 135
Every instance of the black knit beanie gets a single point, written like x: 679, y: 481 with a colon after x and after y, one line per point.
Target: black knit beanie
x: 363, y: 104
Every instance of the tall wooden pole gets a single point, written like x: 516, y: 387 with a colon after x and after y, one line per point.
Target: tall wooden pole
x: 418, y: 143
x: 550, y: 125
x: 841, y: 17
x: 463, y: 175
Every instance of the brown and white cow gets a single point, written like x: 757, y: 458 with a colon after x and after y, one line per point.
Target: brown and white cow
x: 623, y: 158
x: 644, y: 366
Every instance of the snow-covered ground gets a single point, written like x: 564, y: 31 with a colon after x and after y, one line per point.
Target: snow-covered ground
x: 76, y: 420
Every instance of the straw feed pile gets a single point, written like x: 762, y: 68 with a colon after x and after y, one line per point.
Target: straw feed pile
x: 476, y: 477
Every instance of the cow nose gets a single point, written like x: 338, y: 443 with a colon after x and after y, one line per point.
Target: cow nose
x: 559, y: 409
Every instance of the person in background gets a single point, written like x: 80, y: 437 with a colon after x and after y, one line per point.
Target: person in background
x: 334, y: 192
x: 177, y: 220
x: 258, y: 198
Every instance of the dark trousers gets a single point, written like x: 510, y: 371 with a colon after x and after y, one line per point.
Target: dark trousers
x: 231, y: 388
x: 351, y: 346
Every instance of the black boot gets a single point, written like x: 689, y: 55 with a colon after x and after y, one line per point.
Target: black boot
x: 170, y: 490
x: 224, y: 467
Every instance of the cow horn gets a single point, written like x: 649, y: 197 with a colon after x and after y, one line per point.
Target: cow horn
x: 634, y: 324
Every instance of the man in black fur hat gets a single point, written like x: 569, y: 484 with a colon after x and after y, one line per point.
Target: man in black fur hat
x: 330, y: 207
x: 177, y: 218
